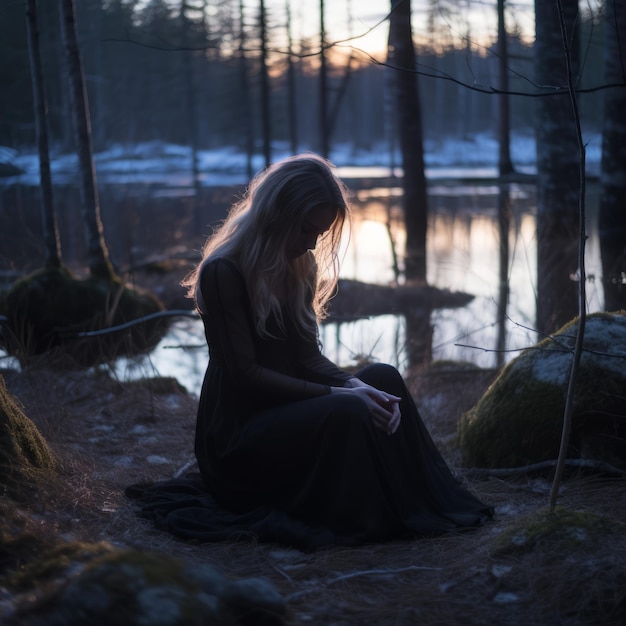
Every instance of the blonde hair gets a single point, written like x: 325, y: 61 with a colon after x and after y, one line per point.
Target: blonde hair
x: 257, y: 231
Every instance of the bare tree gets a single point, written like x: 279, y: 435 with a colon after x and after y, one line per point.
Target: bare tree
x: 244, y: 80
x: 265, y: 88
x: 98, y: 255
x: 570, y: 397
x: 557, y: 167
x: 612, y: 218
x: 323, y: 85
x: 291, y: 85
x: 402, y: 60
x: 188, y: 72
x: 50, y: 228
x: 505, y: 165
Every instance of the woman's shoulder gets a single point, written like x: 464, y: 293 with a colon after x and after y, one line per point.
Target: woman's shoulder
x: 219, y: 280
x: 221, y: 267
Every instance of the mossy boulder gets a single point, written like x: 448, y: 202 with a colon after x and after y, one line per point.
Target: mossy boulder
x: 519, y: 419
x: 561, y: 531
x: 47, y: 310
x: 565, y: 558
x: 134, y: 588
x: 53, y: 562
x: 23, y: 450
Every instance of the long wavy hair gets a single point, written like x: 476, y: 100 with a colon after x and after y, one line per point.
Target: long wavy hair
x: 256, y: 234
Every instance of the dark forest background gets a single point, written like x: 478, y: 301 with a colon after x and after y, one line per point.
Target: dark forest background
x: 208, y: 74
x: 168, y: 71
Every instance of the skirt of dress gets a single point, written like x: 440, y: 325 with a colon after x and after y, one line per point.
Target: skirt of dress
x: 317, y: 472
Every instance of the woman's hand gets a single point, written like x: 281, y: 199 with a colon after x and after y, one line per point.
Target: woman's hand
x: 384, y: 407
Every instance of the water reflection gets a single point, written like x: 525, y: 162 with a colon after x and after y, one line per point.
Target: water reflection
x: 182, y: 354
x: 463, y: 255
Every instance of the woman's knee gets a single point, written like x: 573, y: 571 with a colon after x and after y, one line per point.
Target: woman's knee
x: 382, y: 376
x: 348, y: 407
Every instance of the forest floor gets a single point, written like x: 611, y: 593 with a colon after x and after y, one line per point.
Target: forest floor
x: 522, y: 568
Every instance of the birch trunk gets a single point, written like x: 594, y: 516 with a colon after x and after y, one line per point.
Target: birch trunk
x: 98, y: 255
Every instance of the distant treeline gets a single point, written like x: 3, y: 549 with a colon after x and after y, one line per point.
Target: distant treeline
x: 165, y: 71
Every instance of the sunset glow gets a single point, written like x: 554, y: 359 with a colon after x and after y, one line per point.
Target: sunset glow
x: 362, y: 28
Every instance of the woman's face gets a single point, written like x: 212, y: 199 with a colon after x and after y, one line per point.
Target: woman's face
x: 316, y: 223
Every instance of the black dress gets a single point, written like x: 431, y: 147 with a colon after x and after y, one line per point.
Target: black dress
x: 282, y: 459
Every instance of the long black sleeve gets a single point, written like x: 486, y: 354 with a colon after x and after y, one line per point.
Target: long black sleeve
x: 234, y: 343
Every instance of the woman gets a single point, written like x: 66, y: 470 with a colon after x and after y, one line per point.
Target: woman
x: 290, y: 447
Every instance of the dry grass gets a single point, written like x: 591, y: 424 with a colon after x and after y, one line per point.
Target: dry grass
x: 109, y: 434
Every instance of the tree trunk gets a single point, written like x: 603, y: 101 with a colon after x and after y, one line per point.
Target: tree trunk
x: 332, y: 116
x: 265, y: 89
x: 246, y: 109
x: 504, y: 228
x: 63, y: 95
x: 98, y: 254
x: 505, y: 165
x: 291, y: 86
x: 188, y: 72
x: 50, y: 228
x: 402, y: 59
x: 612, y: 217
x: 324, y: 134
x: 558, y: 161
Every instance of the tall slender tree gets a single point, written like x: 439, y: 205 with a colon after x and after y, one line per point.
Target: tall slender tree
x: 505, y: 166
x: 50, y: 227
x: 265, y: 87
x: 323, y: 94
x: 409, y: 127
x: 612, y: 217
x: 291, y: 84
x: 558, y: 159
x: 188, y: 71
x: 98, y: 255
x: 244, y: 100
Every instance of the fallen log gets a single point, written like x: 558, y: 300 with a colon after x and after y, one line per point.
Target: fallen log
x: 356, y: 300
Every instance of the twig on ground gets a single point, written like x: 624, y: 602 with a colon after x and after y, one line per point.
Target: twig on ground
x: 591, y: 464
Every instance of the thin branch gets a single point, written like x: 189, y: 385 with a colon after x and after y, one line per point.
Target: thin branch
x: 607, y: 355
x: 135, y: 322
x: 589, y: 464
x: 382, y: 572
x: 367, y: 572
x: 555, y: 90
x: 582, y: 309
x: 507, y: 350
x: 429, y: 72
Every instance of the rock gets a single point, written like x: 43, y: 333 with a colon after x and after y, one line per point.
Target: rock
x: 138, y: 588
x: 519, y: 419
x: 51, y: 309
x: 254, y: 601
x: 155, y: 459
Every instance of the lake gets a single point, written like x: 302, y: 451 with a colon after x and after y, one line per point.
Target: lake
x: 463, y: 255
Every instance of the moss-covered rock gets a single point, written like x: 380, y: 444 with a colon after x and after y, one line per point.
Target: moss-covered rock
x: 561, y: 531
x: 54, y: 560
x: 47, y: 581
x: 23, y: 450
x: 137, y: 588
x: 48, y: 308
x: 20, y: 541
x: 519, y: 419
